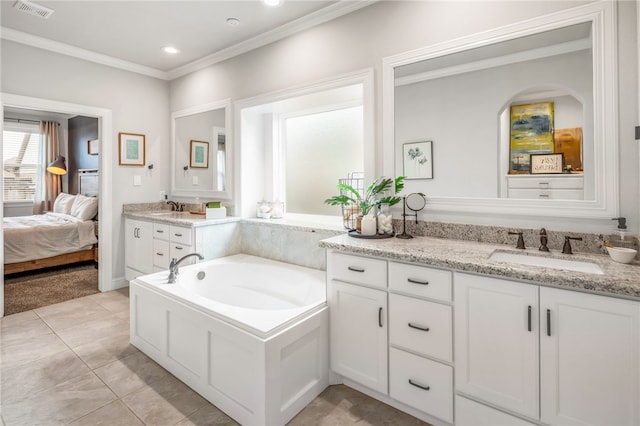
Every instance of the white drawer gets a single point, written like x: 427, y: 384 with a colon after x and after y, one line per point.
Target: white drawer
x: 420, y: 281
x: 161, y: 254
x: 180, y: 235
x: 574, y: 181
x: 421, y: 326
x: 358, y: 270
x: 179, y: 250
x: 549, y: 194
x: 421, y: 383
x: 161, y: 231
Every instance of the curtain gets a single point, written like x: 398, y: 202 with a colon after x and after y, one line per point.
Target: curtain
x: 52, y: 183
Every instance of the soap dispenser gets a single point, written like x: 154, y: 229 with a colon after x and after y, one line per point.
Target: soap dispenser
x: 621, y: 237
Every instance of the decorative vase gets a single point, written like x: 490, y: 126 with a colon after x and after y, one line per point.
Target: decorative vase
x: 369, y: 225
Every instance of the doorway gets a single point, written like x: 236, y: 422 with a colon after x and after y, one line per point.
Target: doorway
x: 104, y: 116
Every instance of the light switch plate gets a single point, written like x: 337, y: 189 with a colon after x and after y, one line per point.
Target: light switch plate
x: 194, y: 179
x: 137, y: 180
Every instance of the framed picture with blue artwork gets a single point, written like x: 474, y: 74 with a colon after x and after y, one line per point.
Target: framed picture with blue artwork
x: 199, y: 155
x: 417, y: 160
x: 132, y: 149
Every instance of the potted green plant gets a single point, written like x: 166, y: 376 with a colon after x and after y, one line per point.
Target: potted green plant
x: 374, y: 195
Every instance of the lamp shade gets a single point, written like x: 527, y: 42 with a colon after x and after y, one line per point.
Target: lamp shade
x: 57, y: 166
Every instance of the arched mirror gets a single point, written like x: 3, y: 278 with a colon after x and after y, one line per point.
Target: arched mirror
x: 201, y: 151
x: 520, y: 120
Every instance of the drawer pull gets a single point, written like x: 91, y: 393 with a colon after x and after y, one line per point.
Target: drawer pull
x: 380, y: 316
x: 544, y: 195
x: 178, y: 235
x: 411, y: 382
x: 355, y: 269
x: 418, y: 327
x: 160, y: 231
x: 178, y: 248
x: 413, y: 281
x: 159, y: 254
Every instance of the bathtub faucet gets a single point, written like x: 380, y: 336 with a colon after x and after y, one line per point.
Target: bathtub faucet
x: 173, y: 266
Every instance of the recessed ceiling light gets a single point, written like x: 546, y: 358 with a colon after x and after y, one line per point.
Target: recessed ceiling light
x: 272, y: 3
x: 170, y: 50
x: 233, y: 22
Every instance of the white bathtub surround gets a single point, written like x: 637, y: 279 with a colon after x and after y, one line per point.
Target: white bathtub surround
x: 251, y: 336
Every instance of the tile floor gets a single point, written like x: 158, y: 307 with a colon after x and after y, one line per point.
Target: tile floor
x: 71, y: 363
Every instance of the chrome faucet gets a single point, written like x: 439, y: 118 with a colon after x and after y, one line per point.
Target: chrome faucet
x: 173, y: 266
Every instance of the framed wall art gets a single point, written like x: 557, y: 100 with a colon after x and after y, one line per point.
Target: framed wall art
x: 199, y: 155
x: 92, y: 146
x: 546, y: 164
x: 132, y: 149
x: 417, y: 160
x: 531, y: 133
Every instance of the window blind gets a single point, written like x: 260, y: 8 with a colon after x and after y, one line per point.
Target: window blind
x: 22, y: 160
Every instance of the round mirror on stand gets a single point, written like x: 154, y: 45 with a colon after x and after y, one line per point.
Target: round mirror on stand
x: 414, y: 202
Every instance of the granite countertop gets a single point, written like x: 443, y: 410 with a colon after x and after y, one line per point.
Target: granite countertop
x: 620, y: 280
x: 178, y: 218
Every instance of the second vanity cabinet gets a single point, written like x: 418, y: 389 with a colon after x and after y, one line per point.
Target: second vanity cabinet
x: 587, y: 348
x: 151, y: 244
x: 391, y: 330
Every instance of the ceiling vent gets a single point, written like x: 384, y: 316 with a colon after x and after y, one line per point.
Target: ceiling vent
x: 31, y: 8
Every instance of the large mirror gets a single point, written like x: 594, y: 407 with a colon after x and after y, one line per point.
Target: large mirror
x: 201, y: 151
x: 475, y: 123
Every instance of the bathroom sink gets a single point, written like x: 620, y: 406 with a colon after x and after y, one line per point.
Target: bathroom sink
x: 546, y: 262
x: 171, y: 214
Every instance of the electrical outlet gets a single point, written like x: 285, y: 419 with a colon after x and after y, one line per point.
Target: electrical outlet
x: 163, y: 195
x: 194, y: 180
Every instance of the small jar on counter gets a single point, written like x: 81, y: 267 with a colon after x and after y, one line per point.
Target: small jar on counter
x: 277, y: 210
x: 263, y: 210
x: 385, y: 220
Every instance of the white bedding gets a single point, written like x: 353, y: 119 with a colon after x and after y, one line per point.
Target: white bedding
x: 45, y: 235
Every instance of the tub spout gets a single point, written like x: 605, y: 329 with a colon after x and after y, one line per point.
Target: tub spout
x: 173, y: 266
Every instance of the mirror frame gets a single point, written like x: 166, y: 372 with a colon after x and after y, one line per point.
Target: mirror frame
x: 602, y: 16
x: 225, y: 195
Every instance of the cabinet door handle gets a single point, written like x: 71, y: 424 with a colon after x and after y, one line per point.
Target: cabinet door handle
x: 414, y: 281
x: 529, y: 318
x: 380, y: 316
x: 411, y: 382
x: 355, y: 269
x: 418, y: 327
x: 548, y: 322
x: 136, y: 233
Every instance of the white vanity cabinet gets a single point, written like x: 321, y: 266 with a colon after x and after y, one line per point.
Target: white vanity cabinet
x: 151, y: 244
x: 405, y: 353
x: 171, y: 241
x: 587, y: 347
x: 358, y: 319
x: 138, y: 248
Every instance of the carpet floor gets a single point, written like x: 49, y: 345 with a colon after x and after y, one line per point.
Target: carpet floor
x: 30, y: 290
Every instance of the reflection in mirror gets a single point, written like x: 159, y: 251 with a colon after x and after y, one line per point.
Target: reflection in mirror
x: 462, y: 102
x: 467, y: 97
x: 200, y: 152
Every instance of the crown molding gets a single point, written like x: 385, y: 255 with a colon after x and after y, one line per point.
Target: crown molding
x: 319, y: 17
x: 76, y: 52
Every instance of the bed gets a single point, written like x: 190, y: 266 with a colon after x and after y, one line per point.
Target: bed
x: 65, y: 235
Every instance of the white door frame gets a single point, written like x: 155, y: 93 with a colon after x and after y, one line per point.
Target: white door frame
x: 104, y: 117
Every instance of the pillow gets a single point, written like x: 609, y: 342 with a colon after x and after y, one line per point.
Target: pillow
x: 63, y: 203
x: 84, y: 208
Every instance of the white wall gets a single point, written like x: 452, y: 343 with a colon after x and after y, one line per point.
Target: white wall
x: 139, y: 104
x: 362, y: 39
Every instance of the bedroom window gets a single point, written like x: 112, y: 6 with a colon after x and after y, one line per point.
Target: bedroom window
x: 22, y: 160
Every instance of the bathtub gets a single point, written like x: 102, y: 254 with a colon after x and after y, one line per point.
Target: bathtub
x: 248, y: 334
